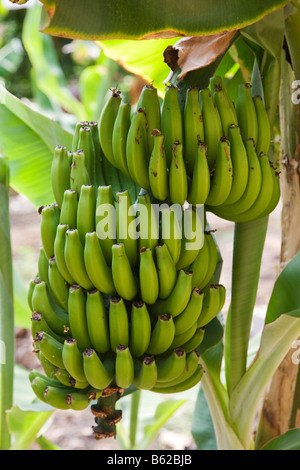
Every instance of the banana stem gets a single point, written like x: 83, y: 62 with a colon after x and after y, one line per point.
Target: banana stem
x: 7, y: 338
x: 134, y: 411
x: 249, y: 240
x: 106, y: 416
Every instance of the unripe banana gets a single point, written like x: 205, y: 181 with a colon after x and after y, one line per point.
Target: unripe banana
x: 50, y: 347
x: 43, y: 264
x: 162, y: 334
x: 95, y: 371
x: 106, y: 124
x: 126, y: 225
x: 171, y: 121
x: 213, y: 260
x: 60, y: 173
x: 200, y: 185
x: 178, y: 299
x: 119, y: 137
x: 192, y: 238
x: 224, y: 105
x: 75, y: 139
x: 66, y: 379
x: 97, y: 322
x: 65, y: 400
x: 98, y: 271
x: 74, y: 256
x: 39, y: 385
x: 149, y: 102
x: 221, y: 181
x: 276, y: 191
x: 158, y: 170
x: 263, y: 140
x: 77, y: 316
x: 118, y: 323
x: 58, y: 286
x: 171, y: 366
x: 178, y: 184
x: 106, y: 221
x: 147, y: 222
x: 100, y: 179
x: 73, y: 359
x: 183, y: 338
x: 193, y: 128
x: 167, y: 274
x: 195, y: 341
x: 191, y: 365
x: 212, y: 125
x: 202, y: 264
x: 145, y: 373
x: 86, y: 144
x: 47, y: 366
x: 189, y: 316
x: 59, y: 253
x: 68, y: 213
x: 171, y: 232
x: 38, y: 323
x: 78, y: 174
x: 136, y: 150
x: 49, y: 223
x: 124, y: 278
x: 148, y: 277
x: 56, y: 318
x: 186, y: 384
x: 140, y: 329
x: 30, y: 290
x: 213, y: 303
x: 246, y: 113
x: 124, y: 372
x: 86, y: 212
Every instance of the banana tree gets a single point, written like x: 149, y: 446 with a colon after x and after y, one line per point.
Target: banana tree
x: 250, y: 34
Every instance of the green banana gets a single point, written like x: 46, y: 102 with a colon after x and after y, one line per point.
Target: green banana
x: 145, y: 373
x: 263, y: 140
x: 79, y: 174
x: 158, y: 170
x: 97, y: 322
x: 276, y: 191
x: 56, y: 318
x: 171, y: 366
x: 213, y: 303
x: 167, y: 274
x: 86, y: 212
x: 50, y: 347
x: 118, y: 323
x: 74, y: 256
x: 178, y: 183
x: 191, y: 364
x: 60, y: 173
x: 98, y: 271
x: 224, y: 105
x: 147, y: 222
x: 221, y: 181
x: 57, y: 284
x: 204, y: 265
x: 38, y: 323
x: 100, y: 179
x: 106, y: 124
x: 213, y: 257
x: 124, y: 278
x: 68, y: 213
x: 98, y: 373
x: 124, y: 369
x: 139, y: 322
x: 246, y: 113
x: 75, y: 138
x: 149, y: 102
x: 190, y: 315
x: 47, y: 366
x: 193, y: 128
x: 171, y: 234
x: 66, y: 379
x: 43, y: 264
x: 213, y: 131
x: 179, y: 297
x: 106, y: 221
x: 186, y: 384
x: 148, y: 277
x: 195, y: 341
x: 239, y: 165
x: 171, y: 121
x: 192, y: 237
x: 200, y: 183
x: 86, y: 144
x: 77, y: 316
x: 73, y: 359
x: 66, y: 400
x: 49, y: 223
x: 162, y: 334
x: 183, y: 338
x: 30, y: 290
x: 126, y: 226
x: 136, y: 150
x: 59, y: 253
x: 119, y: 137
x: 39, y: 385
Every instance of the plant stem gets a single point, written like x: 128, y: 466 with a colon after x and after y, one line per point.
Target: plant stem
x: 7, y: 338
x: 134, y: 411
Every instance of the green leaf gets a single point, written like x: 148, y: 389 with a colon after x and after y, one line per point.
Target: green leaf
x: 202, y: 425
x: 45, y: 444
x: 288, y: 441
x: 102, y: 20
x: 28, y: 139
